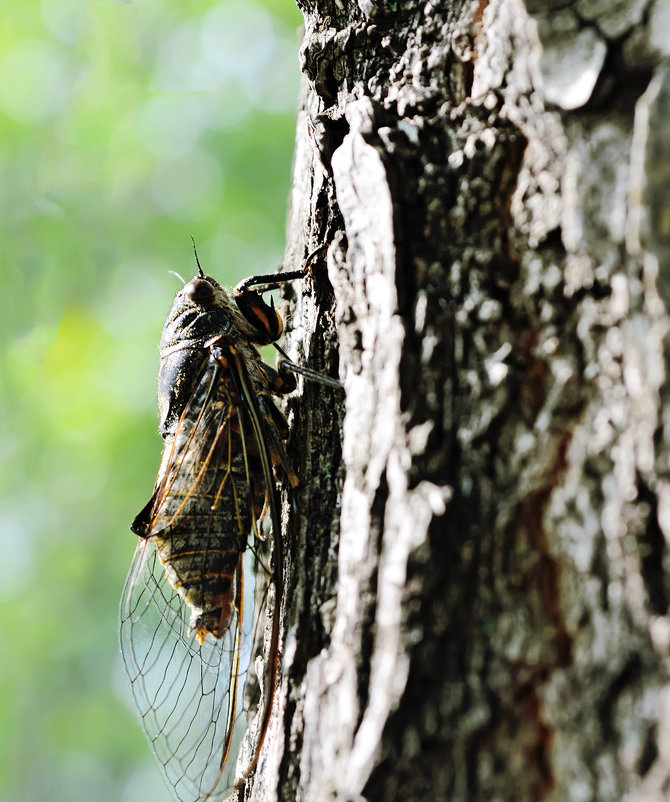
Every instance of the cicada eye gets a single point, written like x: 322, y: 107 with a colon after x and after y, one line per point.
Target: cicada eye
x: 200, y: 291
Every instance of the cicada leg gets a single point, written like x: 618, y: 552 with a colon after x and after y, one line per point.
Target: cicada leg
x: 266, y: 322
x: 264, y: 318
x: 268, y: 325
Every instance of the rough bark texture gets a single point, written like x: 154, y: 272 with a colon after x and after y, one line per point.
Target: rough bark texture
x: 477, y: 598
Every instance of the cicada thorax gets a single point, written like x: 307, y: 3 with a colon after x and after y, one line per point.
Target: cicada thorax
x: 192, y: 322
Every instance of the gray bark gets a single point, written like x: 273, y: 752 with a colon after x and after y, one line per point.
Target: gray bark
x: 476, y: 604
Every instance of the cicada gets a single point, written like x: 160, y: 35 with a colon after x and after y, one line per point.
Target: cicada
x: 190, y: 612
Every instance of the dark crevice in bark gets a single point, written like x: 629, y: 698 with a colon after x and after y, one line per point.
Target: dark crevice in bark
x: 327, y: 133
x: 629, y: 675
x: 653, y: 553
x: 542, y: 575
x: 369, y: 600
x: 649, y: 753
x: 418, y: 732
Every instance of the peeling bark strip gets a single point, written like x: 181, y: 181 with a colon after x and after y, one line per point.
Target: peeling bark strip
x: 477, y: 602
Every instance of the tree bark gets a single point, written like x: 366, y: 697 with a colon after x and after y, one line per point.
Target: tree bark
x: 476, y: 602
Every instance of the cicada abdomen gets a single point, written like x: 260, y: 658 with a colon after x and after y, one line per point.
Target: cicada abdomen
x: 211, y: 493
x: 188, y: 614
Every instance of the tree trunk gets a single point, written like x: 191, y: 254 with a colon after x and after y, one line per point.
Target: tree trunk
x: 476, y: 603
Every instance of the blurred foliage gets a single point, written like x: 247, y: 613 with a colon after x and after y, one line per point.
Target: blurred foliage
x: 124, y: 128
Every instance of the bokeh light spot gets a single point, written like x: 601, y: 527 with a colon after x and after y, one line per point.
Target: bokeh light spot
x: 32, y: 82
x: 170, y: 124
x: 188, y: 189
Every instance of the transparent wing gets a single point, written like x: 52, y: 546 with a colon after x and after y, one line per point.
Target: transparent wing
x: 190, y: 696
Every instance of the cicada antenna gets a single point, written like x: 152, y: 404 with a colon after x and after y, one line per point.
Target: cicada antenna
x: 197, y: 261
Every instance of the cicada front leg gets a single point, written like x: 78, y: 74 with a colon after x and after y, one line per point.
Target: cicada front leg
x: 268, y: 325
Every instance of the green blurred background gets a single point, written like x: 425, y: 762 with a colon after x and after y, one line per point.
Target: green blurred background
x: 124, y: 128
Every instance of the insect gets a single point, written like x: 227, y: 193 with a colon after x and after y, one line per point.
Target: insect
x: 190, y: 612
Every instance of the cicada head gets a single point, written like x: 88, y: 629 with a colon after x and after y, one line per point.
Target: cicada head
x: 201, y: 310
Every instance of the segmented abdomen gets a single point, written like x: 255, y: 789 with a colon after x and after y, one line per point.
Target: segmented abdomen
x: 208, y: 504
